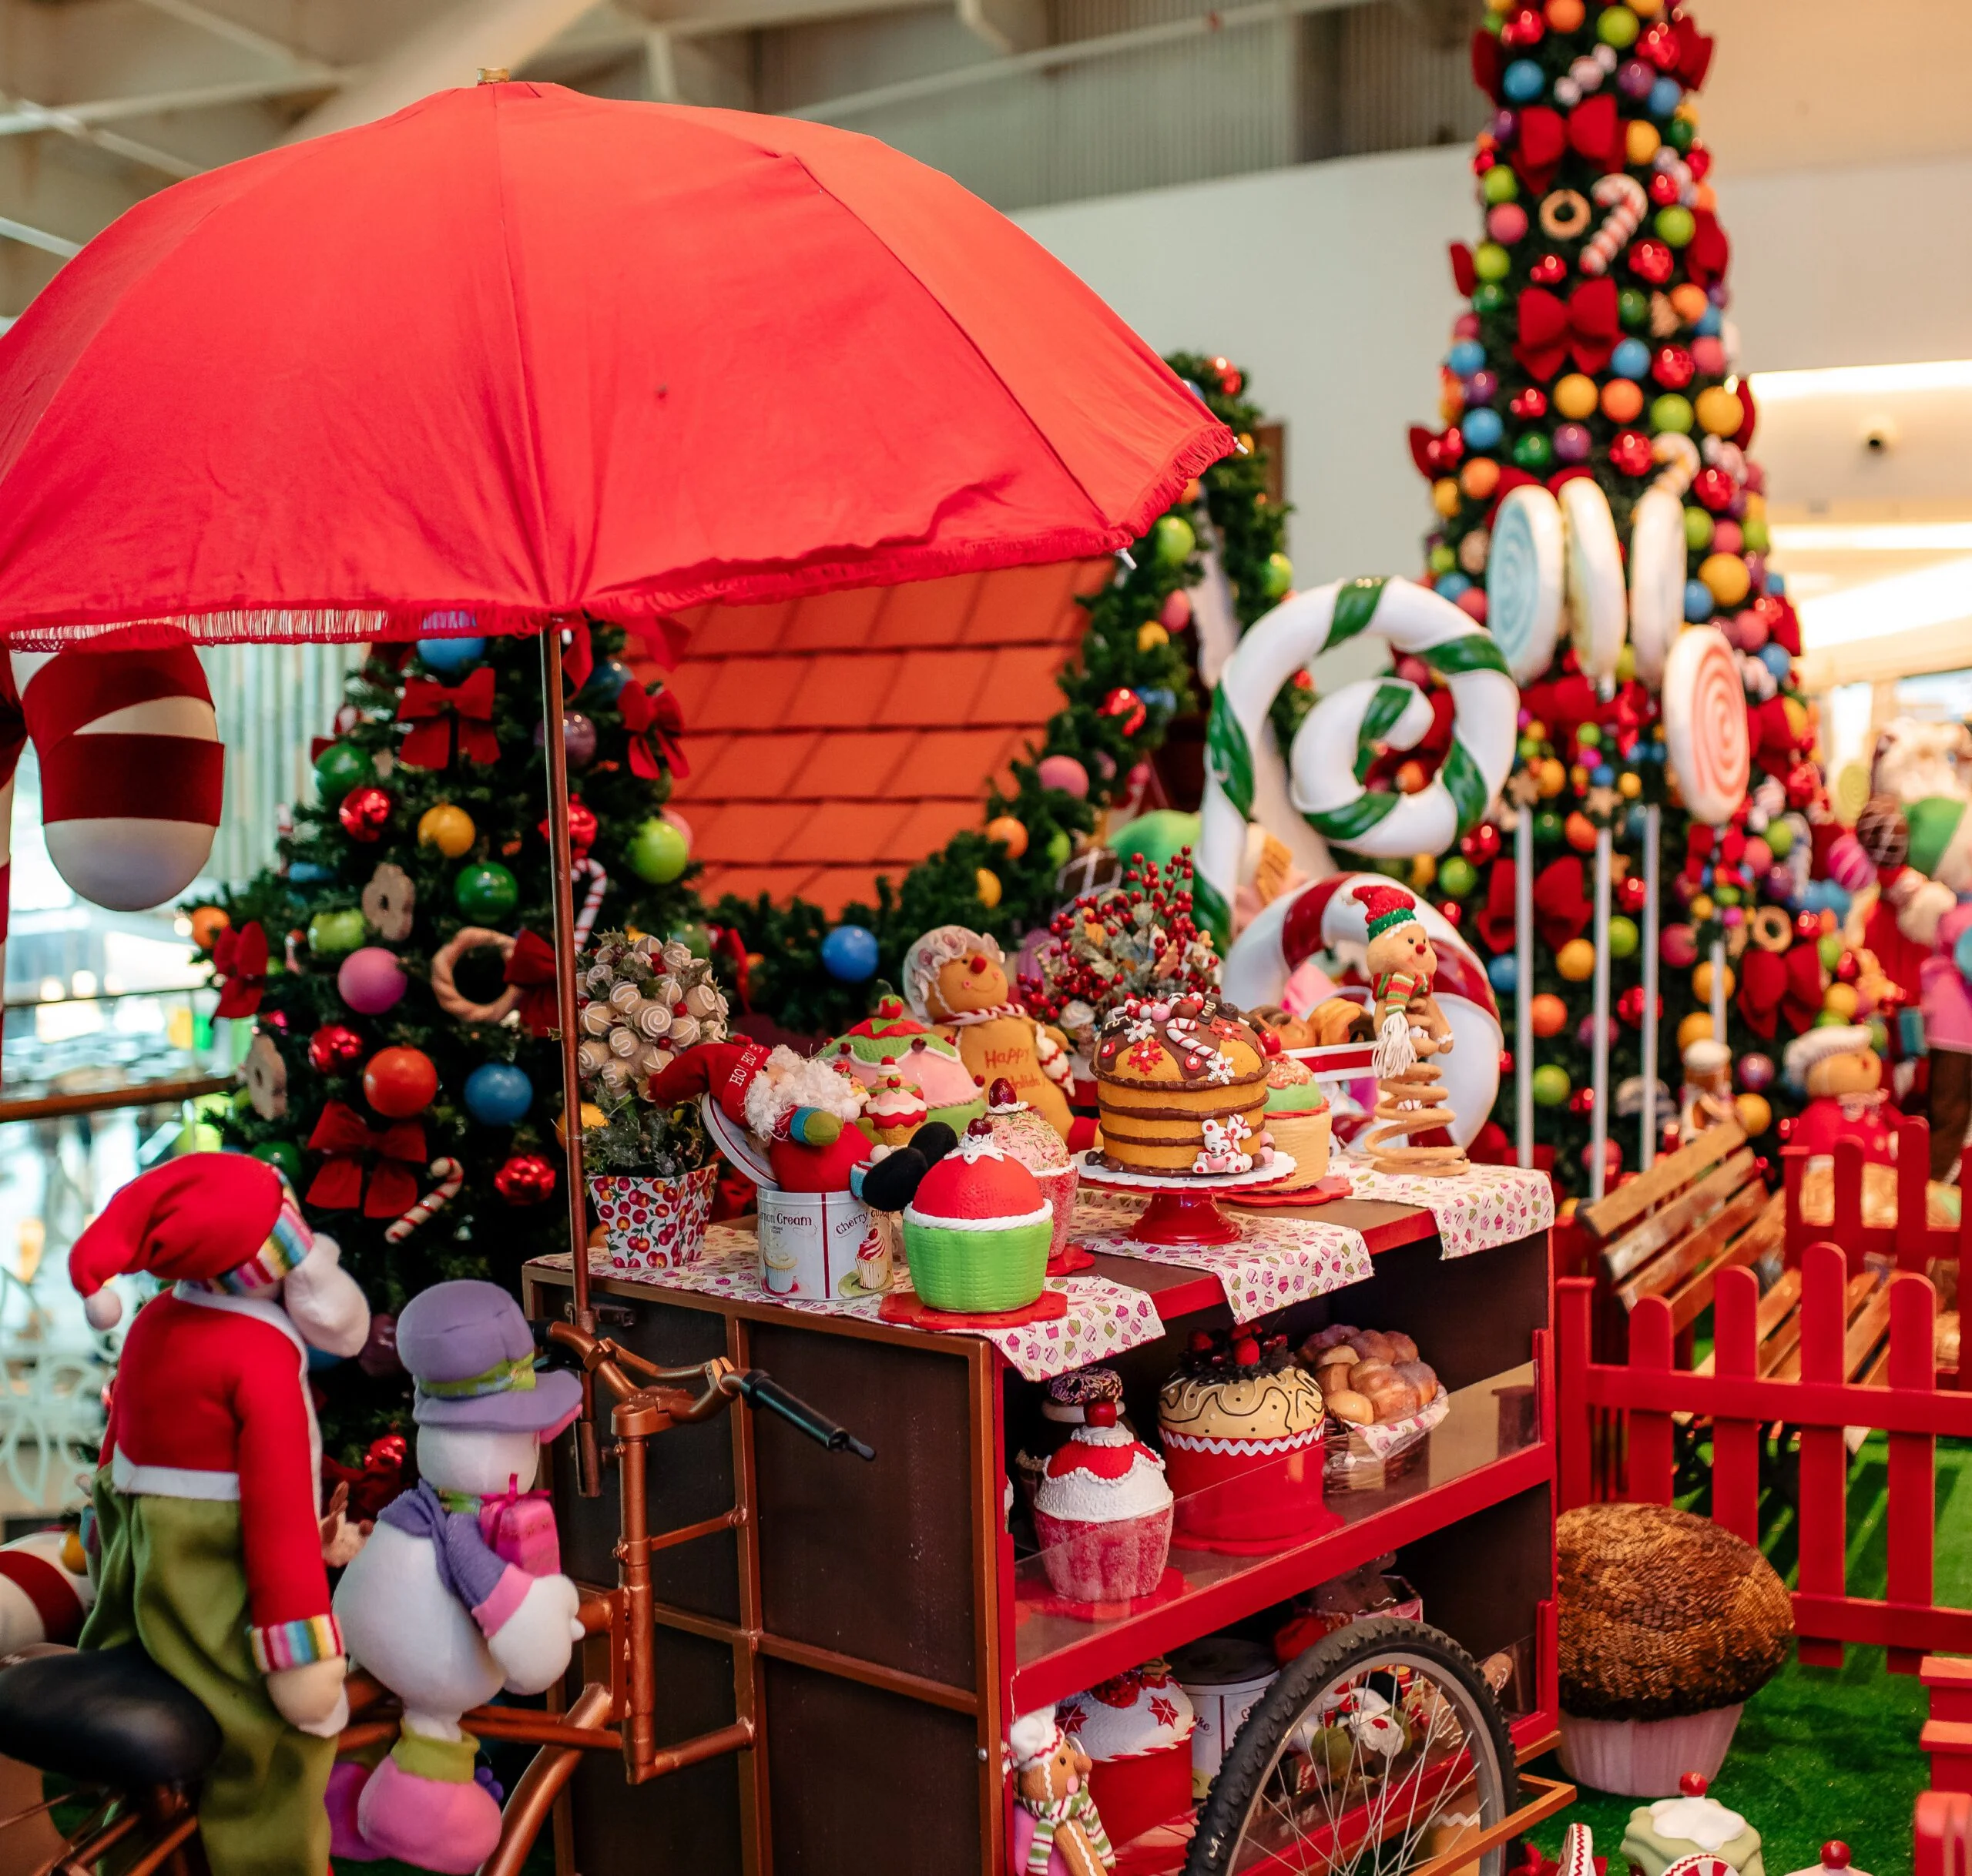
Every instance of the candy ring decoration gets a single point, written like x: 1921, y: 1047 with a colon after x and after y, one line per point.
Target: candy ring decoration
x: 1657, y: 581
x: 1564, y: 214
x: 1623, y: 196
x: 1598, y: 614
x: 1770, y: 930
x: 1705, y: 724
x: 451, y: 1176
x: 1354, y: 723
x: 1296, y: 926
x: 1524, y: 579
x: 1679, y: 457
x: 444, y: 961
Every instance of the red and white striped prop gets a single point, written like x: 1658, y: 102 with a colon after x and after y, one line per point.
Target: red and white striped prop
x: 44, y: 1589
x: 132, y: 772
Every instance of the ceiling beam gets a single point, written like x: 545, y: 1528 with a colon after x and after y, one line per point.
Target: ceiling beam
x: 236, y: 32
x: 22, y: 118
x: 48, y: 117
x: 12, y: 230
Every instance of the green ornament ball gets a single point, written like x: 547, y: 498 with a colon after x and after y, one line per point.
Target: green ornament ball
x: 1778, y: 835
x: 1633, y: 308
x: 1061, y: 849
x: 1753, y: 533
x: 1672, y: 412
x: 695, y: 939
x: 1499, y: 184
x: 1617, y: 26
x: 1491, y: 263
x: 1726, y: 895
x: 284, y: 1156
x: 1529, y: 748
x: 1552, y: 1086
x: 1699, y: 527
x: 340, y: 768
x: 1534, y: 450
x: 657, y: 852
x: 1444, y: 559
x: 1277, y: 577
x: 1156, y: 836
x: 1589, y: 735
x: 486, y: 891
x: 1457, y: 876
x: 1626, y: 663
x: 1547, y: 827
x: 1830, y: 947
x: 1488, y: 296
x: 336, y: 934
x: 1679, y: 135
x: 1623, y: 939
x: 1172, y: 541
x: 1674, y: 226
x: 1830, y: 1019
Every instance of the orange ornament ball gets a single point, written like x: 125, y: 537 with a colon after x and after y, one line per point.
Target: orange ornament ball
x: 1479, y: 478
x: 1011, y: 833
x: 1445, y: 496
x: 1411, y: 779
x: 1576, y: 960
x: 1755, y: 1111
x: 207, y: 923
x: 1549, y: 1014
x: 1564, y: 16
x: 399, y: 1082
x: 1579, y: 831
x: 1622, y: 401
x: 1688, y: 302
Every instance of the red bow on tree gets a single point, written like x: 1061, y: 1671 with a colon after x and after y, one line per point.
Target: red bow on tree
x: 654, y: 722
x: 530, y: 968
x: 240, y: 966
x: 726, y: 938
x: 1560, y: 904
x: 1585, y: 324
x: 434, y: 710
x: 348, y: 1141
x: 1708, y: 252
x: 1777, y: 984
x: 1464, y: 272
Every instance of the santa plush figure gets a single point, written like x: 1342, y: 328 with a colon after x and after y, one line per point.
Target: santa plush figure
x: 798, y: 1107
x: 1838, y: 1068
x: 207, y: 1498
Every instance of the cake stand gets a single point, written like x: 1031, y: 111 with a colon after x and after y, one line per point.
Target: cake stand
x: 1183, y: 1210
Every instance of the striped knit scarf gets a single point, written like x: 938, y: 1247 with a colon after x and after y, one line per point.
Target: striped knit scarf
x: 1078, y: 1808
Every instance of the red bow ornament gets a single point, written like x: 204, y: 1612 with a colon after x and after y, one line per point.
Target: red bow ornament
x: 1585, y: 324
x: 1708, y: 252
x: 654, y: 723
x: 530, y: 968
x: 1539, y: 143
x: 1560, y: 904
x: 1778, y: 984
x: 348, y: 1141
x: 434, y: 711
x: 240, y: 966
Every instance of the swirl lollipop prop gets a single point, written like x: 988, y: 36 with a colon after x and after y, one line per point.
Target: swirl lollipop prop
x: 1705, y: 735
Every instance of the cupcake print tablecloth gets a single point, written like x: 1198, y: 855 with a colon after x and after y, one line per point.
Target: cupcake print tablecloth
x: 1476, y: 1209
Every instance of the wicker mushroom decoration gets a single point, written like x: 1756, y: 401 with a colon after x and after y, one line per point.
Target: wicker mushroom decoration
x: 1669, y: 1624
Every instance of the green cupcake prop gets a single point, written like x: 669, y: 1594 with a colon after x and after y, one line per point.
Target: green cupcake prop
x: 976, y: 1234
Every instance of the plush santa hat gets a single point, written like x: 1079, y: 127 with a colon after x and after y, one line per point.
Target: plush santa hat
x: 798, y: 1106
x: 229, y: 1222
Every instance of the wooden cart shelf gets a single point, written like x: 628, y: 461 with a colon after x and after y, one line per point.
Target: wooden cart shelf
x: 861, y: 1608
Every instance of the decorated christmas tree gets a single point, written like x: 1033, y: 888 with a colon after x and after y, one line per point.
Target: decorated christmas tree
x: 398, y: 963
x: 1598, y: 509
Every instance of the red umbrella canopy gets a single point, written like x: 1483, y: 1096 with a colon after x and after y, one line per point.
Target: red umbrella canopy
x: 519, y: 353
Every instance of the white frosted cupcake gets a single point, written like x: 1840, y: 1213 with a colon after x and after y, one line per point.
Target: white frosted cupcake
x: 1102, y: 1513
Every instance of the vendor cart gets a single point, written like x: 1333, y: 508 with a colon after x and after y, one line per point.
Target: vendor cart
x: 873, y: 1628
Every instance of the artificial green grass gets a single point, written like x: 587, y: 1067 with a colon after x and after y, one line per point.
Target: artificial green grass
x: 1825, y: 1753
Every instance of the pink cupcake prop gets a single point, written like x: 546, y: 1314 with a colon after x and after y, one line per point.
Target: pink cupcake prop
x: 1023, y: 1135
x: 1102, y: 1513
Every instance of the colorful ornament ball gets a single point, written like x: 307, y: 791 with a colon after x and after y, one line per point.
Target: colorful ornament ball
x: 848, y: 954
x: 486, y: 891
x: 497, y: 1093
x: 332, y: 934
x: 371, y: 980
x: 448, y: 829
x: 401, y: 1082
x: 658, y: 852
x: 526, y: 1179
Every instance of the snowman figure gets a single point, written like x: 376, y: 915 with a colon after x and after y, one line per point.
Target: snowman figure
x: 437, y: 1605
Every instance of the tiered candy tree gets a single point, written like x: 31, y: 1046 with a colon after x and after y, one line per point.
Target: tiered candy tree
x: 1595, y: 343
x: 397, y: 965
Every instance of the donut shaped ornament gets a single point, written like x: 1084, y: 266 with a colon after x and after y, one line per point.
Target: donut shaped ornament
x: 1598, y: 614
x: 1657, y: 581
x: 1351, y: 726
x: 444, y: 988
x: 1299, y: 925
x: 1705, y: 736
x: 1524, y: 579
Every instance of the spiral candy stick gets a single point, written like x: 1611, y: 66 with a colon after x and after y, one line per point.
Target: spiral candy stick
x: 1623, y: 196
x: 1679, y: 456
x: 451, y: 1176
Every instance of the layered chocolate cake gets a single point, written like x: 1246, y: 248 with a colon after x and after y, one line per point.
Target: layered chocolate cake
x: 1182, y: 1088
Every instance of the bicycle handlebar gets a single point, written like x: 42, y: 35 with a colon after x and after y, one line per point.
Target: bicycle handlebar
x: 761, y: 1389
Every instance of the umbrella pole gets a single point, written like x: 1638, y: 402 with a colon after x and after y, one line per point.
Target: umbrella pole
x: 589, y: 1468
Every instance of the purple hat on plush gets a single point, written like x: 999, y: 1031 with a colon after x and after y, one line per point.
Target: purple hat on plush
x: 470, y: 1350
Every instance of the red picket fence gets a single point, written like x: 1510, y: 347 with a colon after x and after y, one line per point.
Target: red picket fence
x: 1911, y: 1243
x: 1617, y: 1426
x: 1943, y: 1834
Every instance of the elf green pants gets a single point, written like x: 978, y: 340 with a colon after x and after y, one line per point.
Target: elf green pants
x: 168, y: 1575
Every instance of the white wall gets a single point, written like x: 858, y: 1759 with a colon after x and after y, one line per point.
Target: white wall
x: 1329, y: 283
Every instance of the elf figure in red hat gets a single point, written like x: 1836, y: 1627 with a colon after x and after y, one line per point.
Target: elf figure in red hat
x: 800, y: 1109
x: 1401, y: 965
x: 207, y: 1499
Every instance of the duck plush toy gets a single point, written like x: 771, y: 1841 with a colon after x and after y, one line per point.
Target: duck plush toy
x: 454, y: 1597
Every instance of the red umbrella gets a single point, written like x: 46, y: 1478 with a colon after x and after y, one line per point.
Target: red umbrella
x: 522, y: 352
x: 525, y: 354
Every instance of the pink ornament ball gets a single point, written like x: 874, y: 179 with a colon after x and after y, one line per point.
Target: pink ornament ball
x: 372, y: 981
x: 1472, y: 603
x: 1678, y: 947
x: 1727, y: 538
x: 1413, y: 671
x: 1065, y: 773
x: 1466, y: 326
x: 1177, y: 613
x: 1780, y: 885
x: 1755, y: 1071
x: 1506, y: 223
x: 1849, y: 866
x: 1749, y: 630
x: 1584, y: 1033
x: 1612, y: 1159
x: 1708, y: 354
x: 1758, y: 857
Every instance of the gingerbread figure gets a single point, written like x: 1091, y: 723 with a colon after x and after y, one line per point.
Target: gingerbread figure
x: 1057, y: 1830
x: 1411, y: 1098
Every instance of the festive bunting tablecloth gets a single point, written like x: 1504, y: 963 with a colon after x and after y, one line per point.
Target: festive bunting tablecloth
x: 1275, y: 1261
x: 1476, y: 1209
x: 1103, y: 1317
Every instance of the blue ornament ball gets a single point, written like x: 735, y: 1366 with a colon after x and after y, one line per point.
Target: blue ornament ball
x: 1698, y: 600
x: 1482, y: 429
x: 1524, y: 81
x: 1775, y: 658
x: 606, y: 680
x: 1630, y: 358
x: 1711, y: 323
x: 1776, y: 584
x: 1466, y: 357
x: 1504, y: 974
x: 450, y: 654
x: 1450, y: 585
x: 848, y: 954
x: 497, y: 1093
x: 306, y: 872
x: 1666, y: 95
x: 1602, y: 775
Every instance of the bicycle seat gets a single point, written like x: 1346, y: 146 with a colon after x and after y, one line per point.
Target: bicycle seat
x: 103, y: 1717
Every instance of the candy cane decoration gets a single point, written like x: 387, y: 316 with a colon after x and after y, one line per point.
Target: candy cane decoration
x: 451, y: 1176
x: 1346, y: 731
x: 1623, y: 196
x: 1678, y: 454
x: 598, y: 884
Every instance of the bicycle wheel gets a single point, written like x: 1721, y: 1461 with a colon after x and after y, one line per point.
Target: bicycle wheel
x: 1378, y: 1749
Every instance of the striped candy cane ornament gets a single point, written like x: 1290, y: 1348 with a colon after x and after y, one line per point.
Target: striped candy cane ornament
x: 451, y: 1176
x: 1624, y: 197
